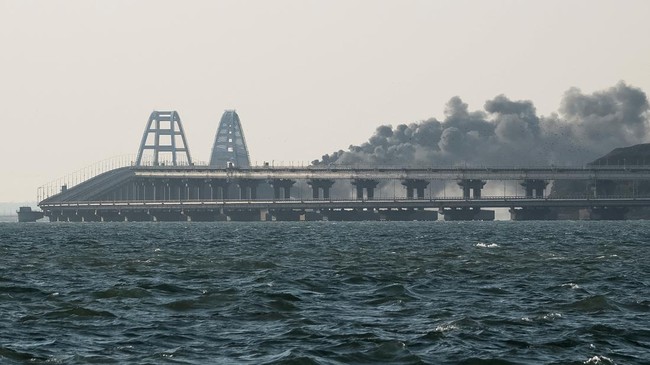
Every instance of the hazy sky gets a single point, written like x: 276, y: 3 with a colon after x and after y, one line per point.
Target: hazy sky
x: 78, y: 79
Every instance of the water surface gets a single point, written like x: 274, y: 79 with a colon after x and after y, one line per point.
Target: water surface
x: 325, y: 293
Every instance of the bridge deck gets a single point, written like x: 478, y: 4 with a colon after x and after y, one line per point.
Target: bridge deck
x: 382, y: 173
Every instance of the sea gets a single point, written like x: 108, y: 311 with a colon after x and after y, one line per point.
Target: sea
x: 562, y: 292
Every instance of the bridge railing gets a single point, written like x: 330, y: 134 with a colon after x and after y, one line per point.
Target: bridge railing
x: 88, y: 172
x: 85, y: 173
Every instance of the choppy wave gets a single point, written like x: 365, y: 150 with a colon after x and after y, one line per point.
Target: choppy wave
x: 325, y: 293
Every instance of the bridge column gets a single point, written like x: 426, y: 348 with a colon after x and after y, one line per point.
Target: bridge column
x: 471, y: 185
x: 282, y: 186
x: 415, y: 185
x: 318, y: 184
x: 534, y: 187
x: 248, y: 188
x: 195, y: 188
x: 219, y: 188
x: 368, y: 184
x: 184, y: 190
x: 205, y: 190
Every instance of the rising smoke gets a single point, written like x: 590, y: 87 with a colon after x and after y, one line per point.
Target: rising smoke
x: 510, y: 133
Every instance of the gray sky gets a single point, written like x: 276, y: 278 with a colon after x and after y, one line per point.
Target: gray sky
x: 78, y: 79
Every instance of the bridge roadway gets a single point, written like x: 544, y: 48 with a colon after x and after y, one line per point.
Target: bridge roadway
x: 400, y: 173
x: 440, y: 203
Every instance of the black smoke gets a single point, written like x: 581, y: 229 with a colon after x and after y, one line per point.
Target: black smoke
x: 509, y: 133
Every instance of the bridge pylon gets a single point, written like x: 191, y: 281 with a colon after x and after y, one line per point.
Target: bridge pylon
x: 160, y: 136
x: 229, y: 149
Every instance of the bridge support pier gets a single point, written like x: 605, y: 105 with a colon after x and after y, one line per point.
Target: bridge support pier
x: 282, y: 188
x: 533, y: 214
x: 178, y: 189
x: 219, y: 189
x: 534, y: 187
x: 368, y: 185
x: 248, y: 189
x: 415, y: 186
x: 318, y: 185
x: 471, y: 186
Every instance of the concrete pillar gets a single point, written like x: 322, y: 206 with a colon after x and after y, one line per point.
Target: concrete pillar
x: 219, y: 189
x: 206, y: 190
x: 326, y: 192
x: 409, y: 192
x: 420, y: 191
x: 534, y: 187
x: 174, y: 190
x: 248, y: 189
x: 185, y: 190
x: 282, y: 188
x: 415, y: 185
x: 370, y: 192
x: 320, y: 184
x: 368, y: 184
x: 471, y: 185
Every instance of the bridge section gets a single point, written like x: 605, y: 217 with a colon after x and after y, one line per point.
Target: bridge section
x: 161, y: 136
x: 173, y: 189
x: 229, y: 149
x: 229, y: 188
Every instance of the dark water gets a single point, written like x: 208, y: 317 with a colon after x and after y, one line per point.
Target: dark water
x: 325, y: 293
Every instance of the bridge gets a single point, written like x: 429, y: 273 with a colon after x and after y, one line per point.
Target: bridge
x: 169, y: 185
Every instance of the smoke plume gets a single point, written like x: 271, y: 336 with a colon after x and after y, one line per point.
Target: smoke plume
x: 510, y: 133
